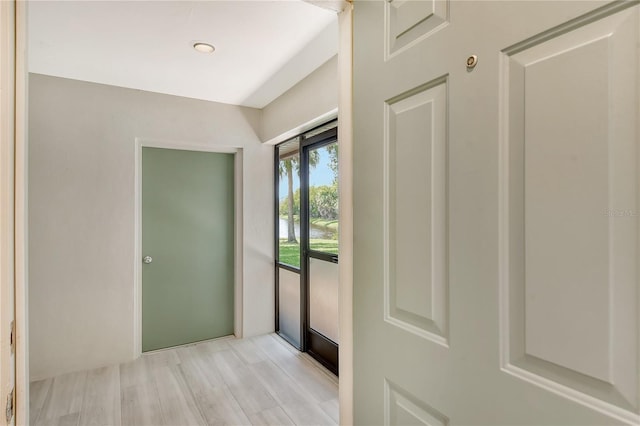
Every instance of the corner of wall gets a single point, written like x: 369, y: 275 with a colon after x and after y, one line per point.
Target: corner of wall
x: 309, y: 103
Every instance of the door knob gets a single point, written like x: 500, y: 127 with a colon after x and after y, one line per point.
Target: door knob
x: 147, y: 259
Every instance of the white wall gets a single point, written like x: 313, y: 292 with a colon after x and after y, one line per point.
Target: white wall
x: 81, y: 213
x: 309, y: 103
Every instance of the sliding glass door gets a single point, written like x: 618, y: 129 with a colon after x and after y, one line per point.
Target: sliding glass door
x: 320, y: 245
x: 307, y: 244
x: 289, y: 292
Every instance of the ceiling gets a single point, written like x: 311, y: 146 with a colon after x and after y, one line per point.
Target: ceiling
x: 262, y: 47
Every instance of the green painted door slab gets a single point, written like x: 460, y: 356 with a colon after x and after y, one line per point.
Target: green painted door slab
x: 188, y: 231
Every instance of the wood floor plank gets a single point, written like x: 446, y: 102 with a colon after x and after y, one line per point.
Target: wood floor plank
x: 320, y: 384
x: 72, y: 419
x: 64, y: 397
x: 38, y: 391
x: 270, y: 417
x: 211, y: 394
x: 332, y: 409
x: 140, y: 404
x: 229, y: 365
x: 219, y: 407
x: 161, y: 358
x: 281, y: 386
x: 135, y: 372
x: 186, y: 353
x: 212, y: 346
x: 176, y: 401
x: 248, y: 351
x: 101, y: 402
x: 333, y: 379
x: 260, y: 380
x: 275, y: 348
x: 308, y: 414
x: 202, y: 371
x: 307, y: 376
x: 245, y: 386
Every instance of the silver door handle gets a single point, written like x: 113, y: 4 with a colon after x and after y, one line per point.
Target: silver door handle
x: 147, y: 259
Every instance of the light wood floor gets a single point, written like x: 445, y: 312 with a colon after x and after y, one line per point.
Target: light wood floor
x: 260, y: 381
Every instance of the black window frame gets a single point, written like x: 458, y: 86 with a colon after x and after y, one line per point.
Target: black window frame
x: 306, y: 138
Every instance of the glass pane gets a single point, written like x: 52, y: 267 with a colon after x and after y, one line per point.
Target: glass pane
x: 323, y: 198
x: 289, y: 199
x: 289, y: 303
x: 323, y: 298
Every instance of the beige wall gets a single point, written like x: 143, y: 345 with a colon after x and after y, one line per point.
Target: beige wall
x: 81, y: 213
x: 309, y: 103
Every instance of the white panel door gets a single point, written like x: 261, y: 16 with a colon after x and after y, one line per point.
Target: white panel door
x: 496, y: 201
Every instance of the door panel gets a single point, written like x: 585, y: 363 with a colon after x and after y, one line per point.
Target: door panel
x: 289, y: 320
x: 290, y: 306
x: 411, y: 21
x: 495, y: 277
x: 415, y: 184
x: 188, y: 230
x: 573, y: 196
x: 323, y: 298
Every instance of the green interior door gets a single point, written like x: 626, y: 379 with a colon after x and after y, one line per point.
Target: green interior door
x: 188, y: 232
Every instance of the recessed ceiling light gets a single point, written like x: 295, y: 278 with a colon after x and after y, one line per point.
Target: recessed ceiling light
x: 204, y: 47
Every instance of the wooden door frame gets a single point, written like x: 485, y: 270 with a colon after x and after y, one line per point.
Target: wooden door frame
x: 345, y: 176
x: 7, y: 210
x: 13, y: 195
x: 21, y: 217
x: 238, y: 230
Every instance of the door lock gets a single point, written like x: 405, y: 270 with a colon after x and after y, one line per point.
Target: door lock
x: 147, y: 259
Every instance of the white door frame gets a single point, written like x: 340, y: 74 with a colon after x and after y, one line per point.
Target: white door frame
x: 13, y: 193
x: 238, y: 237
x: 345, y: 154
x: 7, y: 210
x: 21, y: 218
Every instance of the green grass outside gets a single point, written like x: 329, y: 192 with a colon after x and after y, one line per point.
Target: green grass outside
x: 326, y: 246
x: 290, y: 252
x: 328, y: 223
x: 331, y: 224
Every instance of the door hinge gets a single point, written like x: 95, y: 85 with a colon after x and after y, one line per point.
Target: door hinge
x: 10, y: 400
x: 12, y: 336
